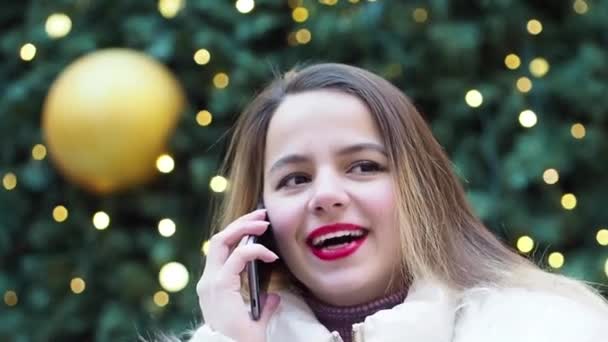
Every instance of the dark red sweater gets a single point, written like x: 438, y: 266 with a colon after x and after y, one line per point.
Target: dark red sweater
x: 342, y: 318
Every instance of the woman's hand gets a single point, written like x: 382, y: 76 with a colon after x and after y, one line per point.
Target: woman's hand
x: 219, y: 288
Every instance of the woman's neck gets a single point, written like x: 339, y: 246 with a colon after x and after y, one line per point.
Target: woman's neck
x: 341, y: 318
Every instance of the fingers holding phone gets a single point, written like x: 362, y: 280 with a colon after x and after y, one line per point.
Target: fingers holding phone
x: 219, y: 287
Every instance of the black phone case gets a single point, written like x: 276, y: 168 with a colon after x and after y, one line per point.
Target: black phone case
x: 257, y: 269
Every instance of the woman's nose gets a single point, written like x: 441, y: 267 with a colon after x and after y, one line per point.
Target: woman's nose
x: 329, y: 195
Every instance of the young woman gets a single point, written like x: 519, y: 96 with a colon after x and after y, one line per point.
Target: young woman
x: 375, y: 237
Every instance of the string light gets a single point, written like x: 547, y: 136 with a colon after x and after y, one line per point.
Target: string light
x: 166, y: 227
x: 525, y: 244
x: 202, y: 56
x: 165, y: 163
x: 58, y: 25
x: 550, y: 176
x: 299, y: 14
x: 218, y: 184
x: 524, y: 84
x: 353, y: 1
x: 556, y: 260
x: 11, y: 298
x: 328, y: 2
x: 27, y: 52
x: 245, y: 6
x: 527, y: 118
x: 474, y: 98
x: 578, y: 131
x: 161, y: 298
x: 9, y: 181
x: 512, y: 61
x: 534, y: 27
x: 420, y: 15
x: 204, y: 118
x: 221, y: 80
x: 170, y: 8
x: 569, y: 201
x: 602, y: 237
x: 39, y: 152
x: 77, y: 285
x: 101, y: 220
x: 60, y: 213
x: 580, y: 6
x: 205, y: 247
x: 173, y: 277
x: 539, y: 67
x: 303, y: 36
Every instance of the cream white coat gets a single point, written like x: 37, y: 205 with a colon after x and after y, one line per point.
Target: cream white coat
x: 432, y: 313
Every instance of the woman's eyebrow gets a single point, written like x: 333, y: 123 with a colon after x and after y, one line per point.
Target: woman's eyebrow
x: 298, y: 158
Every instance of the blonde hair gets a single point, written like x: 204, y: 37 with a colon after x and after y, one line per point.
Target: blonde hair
x: 440, y: 236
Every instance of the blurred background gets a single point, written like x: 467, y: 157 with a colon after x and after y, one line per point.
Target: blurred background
x: 114, y: 117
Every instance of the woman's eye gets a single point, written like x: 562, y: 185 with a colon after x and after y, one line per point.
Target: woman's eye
x: 368, y: 167
x: 364, y: 166
x: 285, y: 180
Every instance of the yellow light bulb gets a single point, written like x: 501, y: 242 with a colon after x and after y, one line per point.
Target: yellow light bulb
x: 161, y: 298
x: 556, y: 260
x: 527, y: 118
x: 550, y: 176
x: 77, y: 285
x: 299, y: 14
x: 204, y: 118
x: 534, y: 27
x: 221, y: 80
x: 166, y: 227
x: 165, y: 163
x: 578, y: 131
x: 539, y: 67
x: 512, y: 61
x: 420, y: 15
x: 580, y: 6
x: 245, y: 6
x: 27, y: 52
x: 569, y: 201
x: 60, y: 213
x: 39, y: 152
x: 524, y: 84
x: 525, y: 244
x: 473, y: 98
x: 202, y: 56
x: 58, y: 25
x: 218, y: 184
x: 170, y: 8
x: 9, y: 181
x: 303, y: 36
x: 101, y: 220
x: 602, y: 237
x: 173, y: 277
x: 205, y: 248
x: 11, y: 298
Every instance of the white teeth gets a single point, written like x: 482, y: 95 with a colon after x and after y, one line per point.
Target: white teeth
x: 320, y: 239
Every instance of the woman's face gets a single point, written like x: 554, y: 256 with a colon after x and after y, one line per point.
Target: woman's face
x: 329, y: 195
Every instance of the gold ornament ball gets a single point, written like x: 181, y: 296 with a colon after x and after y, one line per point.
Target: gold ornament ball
x: 108, y: 116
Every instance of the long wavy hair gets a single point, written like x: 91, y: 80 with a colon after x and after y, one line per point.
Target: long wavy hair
x: 440, y: 236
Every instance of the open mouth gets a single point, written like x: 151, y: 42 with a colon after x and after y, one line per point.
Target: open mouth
x: 336, y: 245
x: 337, y: 240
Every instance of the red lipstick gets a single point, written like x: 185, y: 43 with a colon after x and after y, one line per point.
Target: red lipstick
x: 342, y: 250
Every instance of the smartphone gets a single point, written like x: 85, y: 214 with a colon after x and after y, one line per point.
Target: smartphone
x: 257, y: 269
